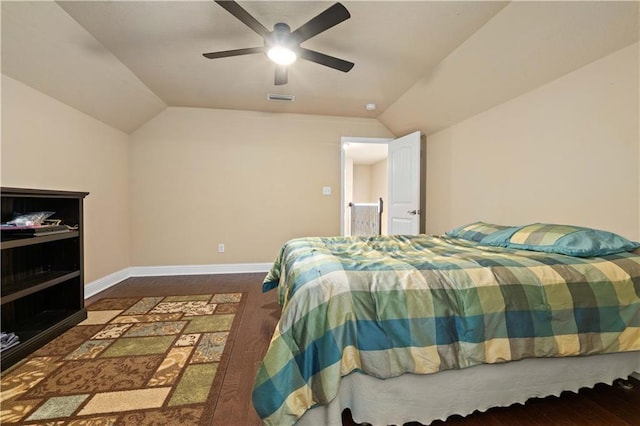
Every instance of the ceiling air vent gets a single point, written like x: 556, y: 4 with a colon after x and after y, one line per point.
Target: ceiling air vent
x: 282, y: 98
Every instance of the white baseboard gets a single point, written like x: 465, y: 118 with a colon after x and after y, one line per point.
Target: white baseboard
x: 104, y: 283
x: 232, y: 268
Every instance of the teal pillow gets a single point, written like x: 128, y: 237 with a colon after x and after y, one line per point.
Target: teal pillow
x: 476, y: 231
x: 500, y: 238
x: 564, y: 239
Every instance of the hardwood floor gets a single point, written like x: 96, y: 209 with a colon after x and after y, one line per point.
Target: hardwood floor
x: 602, y: 405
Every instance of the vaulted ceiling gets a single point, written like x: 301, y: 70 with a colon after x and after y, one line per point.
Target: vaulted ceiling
x: 123, y: 62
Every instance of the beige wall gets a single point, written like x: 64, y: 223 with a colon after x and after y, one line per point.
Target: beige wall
x: 191, y: 178
x: 49, y: 145
x: 250, y: 180
x: 379, y: 185
x: 566, y: 152
x: 362, y: 183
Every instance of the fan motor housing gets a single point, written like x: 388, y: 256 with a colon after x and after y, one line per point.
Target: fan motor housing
x: 280, y: 36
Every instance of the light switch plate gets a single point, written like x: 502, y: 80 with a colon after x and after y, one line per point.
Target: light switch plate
x: 326, y: 190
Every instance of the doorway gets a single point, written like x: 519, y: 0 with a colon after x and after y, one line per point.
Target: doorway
x: 387, y: 172
x: 364, y: 177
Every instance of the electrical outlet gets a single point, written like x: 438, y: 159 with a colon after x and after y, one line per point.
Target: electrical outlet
x: 221, y: 248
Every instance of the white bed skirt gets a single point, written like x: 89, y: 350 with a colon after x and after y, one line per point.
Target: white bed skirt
x: 437, y: 396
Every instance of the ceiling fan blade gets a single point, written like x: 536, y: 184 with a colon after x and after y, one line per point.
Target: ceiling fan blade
x: 327, y: 19
x: 234, y: 52
x: 326, y: 60
x: 236, y: 10
x: 281, y: 75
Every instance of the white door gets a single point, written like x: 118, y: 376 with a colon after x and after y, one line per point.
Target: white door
x: 403, y: 206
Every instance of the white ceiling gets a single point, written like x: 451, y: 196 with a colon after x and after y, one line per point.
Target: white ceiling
x: 366, y: 154
x: 123, y: 62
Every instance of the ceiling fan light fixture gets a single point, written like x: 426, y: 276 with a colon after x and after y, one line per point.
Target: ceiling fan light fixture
x: 282, y: 55
x: 283, y: 46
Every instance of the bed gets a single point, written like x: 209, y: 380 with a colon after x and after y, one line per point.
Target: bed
x: 416, y: 328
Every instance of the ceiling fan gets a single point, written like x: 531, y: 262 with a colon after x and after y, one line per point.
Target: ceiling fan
x: 283, y: 46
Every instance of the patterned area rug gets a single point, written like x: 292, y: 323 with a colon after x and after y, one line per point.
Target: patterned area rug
x: 134, y: 361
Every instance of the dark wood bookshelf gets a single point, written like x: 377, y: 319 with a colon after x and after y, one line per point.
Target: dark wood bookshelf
x: 42, y: 289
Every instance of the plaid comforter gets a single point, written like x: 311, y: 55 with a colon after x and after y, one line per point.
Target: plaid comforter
x: 391, y: 305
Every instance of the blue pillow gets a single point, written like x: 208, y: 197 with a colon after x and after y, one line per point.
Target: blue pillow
x: 477, y: 231
x: 564, y: 239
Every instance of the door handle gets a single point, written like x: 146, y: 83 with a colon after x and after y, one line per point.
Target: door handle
x: 413, y: 212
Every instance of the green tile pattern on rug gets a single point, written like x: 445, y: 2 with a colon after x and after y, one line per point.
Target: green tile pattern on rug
x: 194, y: 384
x: 148, y: 360
x: 139, y: 346
x: 208, y: 324
x: 58, y: 406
